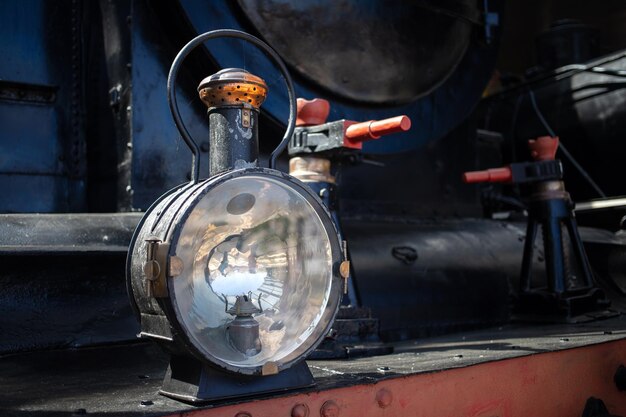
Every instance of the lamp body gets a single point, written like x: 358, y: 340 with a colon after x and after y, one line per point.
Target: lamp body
x: 188, y: 252
x: 233, y: 138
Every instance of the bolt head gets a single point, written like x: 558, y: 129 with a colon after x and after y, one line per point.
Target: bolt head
x: 300, y: 410
x: 384, y: 398
x: 329, y: 409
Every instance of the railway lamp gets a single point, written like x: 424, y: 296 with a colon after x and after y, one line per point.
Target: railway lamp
x: 238, y: 276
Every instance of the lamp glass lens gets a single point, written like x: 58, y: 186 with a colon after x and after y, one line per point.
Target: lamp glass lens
x: 257, y: 237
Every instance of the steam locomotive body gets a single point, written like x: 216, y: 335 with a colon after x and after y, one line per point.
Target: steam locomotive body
x: 334, y: 208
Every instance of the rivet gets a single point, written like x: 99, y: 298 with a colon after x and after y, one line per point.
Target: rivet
x: 300, y: 410
x: 384, y: 398
x: 344, y: 269
x: 329, y: 409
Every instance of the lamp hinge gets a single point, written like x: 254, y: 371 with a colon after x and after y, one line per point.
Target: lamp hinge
x: 155, y: 268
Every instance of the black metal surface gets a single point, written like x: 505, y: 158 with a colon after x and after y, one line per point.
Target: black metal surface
x: 190, y: 381
x: 70, y: 233
x: 570, y: 292
x: 117, y: 119
x: 129, y: 376
x: 567, y: 42
x: 355, y: 331
x: 463, y: 271
x: 549, y: 214
x: 324, y: 139
x: 528, y: 172
x: 583, y: 106
x: 419, y: 184
x: 232, y: 146
x: 369, y: 48
x: 75, y: 295
x: 354, y: 335
x: 63, y: 280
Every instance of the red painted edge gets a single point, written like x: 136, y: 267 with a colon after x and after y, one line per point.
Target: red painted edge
x: 553, y: 384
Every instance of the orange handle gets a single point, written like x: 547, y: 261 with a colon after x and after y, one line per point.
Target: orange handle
x: 503, y: 174
x: 374, y: 129
x: 544, y: 148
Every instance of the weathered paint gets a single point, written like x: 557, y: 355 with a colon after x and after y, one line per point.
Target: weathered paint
x: 555, y: 384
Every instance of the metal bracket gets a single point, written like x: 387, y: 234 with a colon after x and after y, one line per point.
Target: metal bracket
x: 154, y: 268
x: 245, y: 117
x: 344, y: 267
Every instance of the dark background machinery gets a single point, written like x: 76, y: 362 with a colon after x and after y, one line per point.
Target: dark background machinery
x: 85, y: 127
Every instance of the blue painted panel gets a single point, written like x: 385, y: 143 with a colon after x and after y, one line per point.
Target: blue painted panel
x: 433, y: 115
x: 40, y: 143
x: 28, y: 139
x: 160, y: 158
x: 22, y: 31
x: 38, y: 193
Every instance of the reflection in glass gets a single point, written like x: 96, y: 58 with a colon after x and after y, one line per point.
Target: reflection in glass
x: 252, y: 241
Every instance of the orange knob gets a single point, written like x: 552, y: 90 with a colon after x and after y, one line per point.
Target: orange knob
x: 312, y: 112
x: 544, y: 148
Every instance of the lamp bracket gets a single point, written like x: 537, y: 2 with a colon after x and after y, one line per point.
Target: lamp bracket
x: 155, y: 268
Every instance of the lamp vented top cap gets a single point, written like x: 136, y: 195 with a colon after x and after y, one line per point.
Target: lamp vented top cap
x: 233, y: 87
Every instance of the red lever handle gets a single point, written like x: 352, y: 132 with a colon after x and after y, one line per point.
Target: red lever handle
x: 503, y: 174
x: 312, y: 112
x: 374, y: 129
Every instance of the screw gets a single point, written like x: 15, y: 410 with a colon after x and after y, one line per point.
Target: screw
x: 300, y: 410
x: 329, y: 409
x: 384, y: 398
x: 243, y: 414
